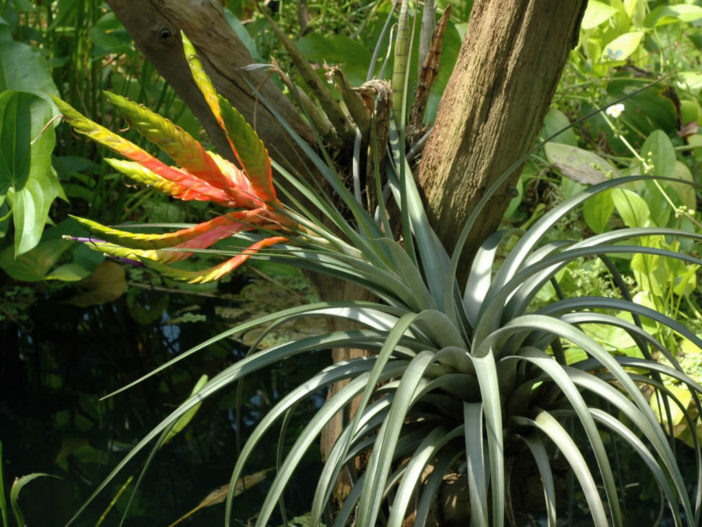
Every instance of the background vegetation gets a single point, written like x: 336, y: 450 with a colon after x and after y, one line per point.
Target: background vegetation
x: 76, y: 326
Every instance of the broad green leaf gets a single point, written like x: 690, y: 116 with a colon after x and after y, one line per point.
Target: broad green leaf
x: 631, y: 207
x: 15, y: 138
x: 554, y: 122
x: 659, y: 150
x: 622, y: 47
x: 579, y: 165
x: 351, y: 54
x: 689, y: 348
x: 644, y: 298
x: 691, y: 80
x: 685, y: 281
x: 23, y: 68
x: 597, y: 211
x: 651, y: 275
x: 658, y: 154
x: 26, y: 176
x: 658, y: 205
x: 631, y: 5
x: 689, y: 110
x: 610, y: 337
x: 670, y: 14
x: 106, y: 284
x: 597, y: 13
x: 645, y: 111
x: 685, y: 193
x: 71, y: 272
x: 30, y: 209
x: 109, y: 36
x: 680, y: 392
x: 33, y: 265
x: 695, y: 141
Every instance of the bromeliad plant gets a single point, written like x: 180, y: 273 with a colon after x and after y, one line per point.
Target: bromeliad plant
x: 459, y: 377
x: 202, y: 176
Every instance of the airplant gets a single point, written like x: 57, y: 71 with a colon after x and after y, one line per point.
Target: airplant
x: 457, y: 374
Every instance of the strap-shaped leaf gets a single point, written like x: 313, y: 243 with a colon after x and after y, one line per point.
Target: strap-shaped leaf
x: 143, y: 175
x: 218, y: 271
x: 199, y: 236
x: 136, y: 256
x: 201, y: 79
x: 105, y: 137
x: 187, y: 152
x: 233, y: 173
x: 243, y: 140
x: 249, y: 150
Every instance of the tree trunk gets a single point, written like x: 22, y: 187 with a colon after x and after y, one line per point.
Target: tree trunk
x: 493, y: 108
x: 155, y: 26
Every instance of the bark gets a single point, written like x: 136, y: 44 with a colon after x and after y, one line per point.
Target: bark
x: 155, y: 26
x: 493, y: 108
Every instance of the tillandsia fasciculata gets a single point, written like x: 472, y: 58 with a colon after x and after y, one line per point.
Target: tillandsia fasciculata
x: 461, y: 376
x: 201, y: 175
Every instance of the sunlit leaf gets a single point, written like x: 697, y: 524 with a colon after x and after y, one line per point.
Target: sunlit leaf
x: 681, y: 393
x: 597, y: 13
x: 597, y: 211
x: 670, y: 14
x: 23, y: 68
x: 176, y: 142
x: 631, y: 207
x: 26, y: 176
x: 622, y: 47
x: 189, y: 186
x: 658, y: 150
x: 249, y: 150
x: 557, y: 122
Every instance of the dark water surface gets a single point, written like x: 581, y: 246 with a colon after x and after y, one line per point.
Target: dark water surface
x: 54, y: 370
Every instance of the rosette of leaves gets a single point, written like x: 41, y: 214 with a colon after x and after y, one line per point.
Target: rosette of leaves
x: 462, y: 373
x: 200, y: 176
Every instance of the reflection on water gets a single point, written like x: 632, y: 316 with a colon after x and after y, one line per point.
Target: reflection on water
x: 55, y: 369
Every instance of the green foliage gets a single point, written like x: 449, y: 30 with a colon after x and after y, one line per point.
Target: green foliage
x: 27, y: 184
x: 26, y: 178
x: 481, y: 372
x: 574, y: 333
x: 17, y: 486
x: 625, y: 46
x: 51, y: 48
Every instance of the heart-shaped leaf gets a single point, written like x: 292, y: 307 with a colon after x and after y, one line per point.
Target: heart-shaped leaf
x: 26, y: 176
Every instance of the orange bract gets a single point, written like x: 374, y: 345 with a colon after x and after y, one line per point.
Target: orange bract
x: 201, y: 176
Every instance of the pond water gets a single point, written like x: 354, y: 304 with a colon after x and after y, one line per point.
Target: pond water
x: 56, y: 367
x: 57, y: 364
